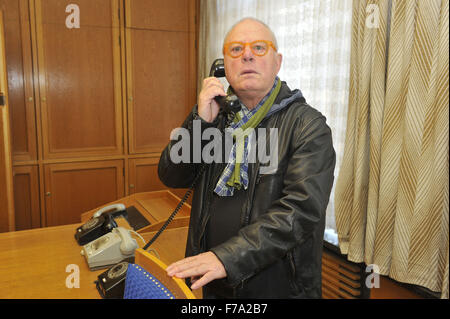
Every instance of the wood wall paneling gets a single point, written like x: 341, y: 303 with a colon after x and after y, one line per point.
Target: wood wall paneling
x: 159, y: 88
x: 26, y: 197
x: 20, y: 82
x: 79, y: 79
x: 101, y: 93
x: 169, y: 15
x: 74, y: 188
x: 160, y: 52
x: 143, y: 177
x: 6, y: 179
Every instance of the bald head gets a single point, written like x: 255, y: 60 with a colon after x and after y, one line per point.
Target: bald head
x: 249, y: 21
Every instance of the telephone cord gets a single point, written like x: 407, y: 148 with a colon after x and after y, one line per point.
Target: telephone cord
x: 180, y: 204
x: 227, y: 121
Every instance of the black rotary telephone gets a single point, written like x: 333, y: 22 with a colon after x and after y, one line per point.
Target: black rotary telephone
x: 101, y: 223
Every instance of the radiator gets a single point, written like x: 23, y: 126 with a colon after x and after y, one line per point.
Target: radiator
x: 341, y: 279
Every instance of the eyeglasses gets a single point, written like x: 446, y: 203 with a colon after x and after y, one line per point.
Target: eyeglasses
x: 258, y: 47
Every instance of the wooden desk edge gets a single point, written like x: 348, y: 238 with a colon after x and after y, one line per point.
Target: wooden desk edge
x: 147, y: 261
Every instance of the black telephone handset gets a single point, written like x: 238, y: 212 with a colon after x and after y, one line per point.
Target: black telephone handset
x: 102, y: 222
x: 229, y: 103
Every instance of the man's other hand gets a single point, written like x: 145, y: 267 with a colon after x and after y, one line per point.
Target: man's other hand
x: 202, y: 269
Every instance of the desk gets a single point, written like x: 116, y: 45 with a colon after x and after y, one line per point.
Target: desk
x: 33, y: 262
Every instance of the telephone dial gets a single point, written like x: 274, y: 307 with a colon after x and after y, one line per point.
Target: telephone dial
x: 102, y: 222
x: 111, y: 283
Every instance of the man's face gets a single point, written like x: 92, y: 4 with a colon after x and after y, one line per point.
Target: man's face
x: 251, y: 76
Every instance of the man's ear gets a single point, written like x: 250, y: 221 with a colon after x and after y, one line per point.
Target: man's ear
x: 279, y: 59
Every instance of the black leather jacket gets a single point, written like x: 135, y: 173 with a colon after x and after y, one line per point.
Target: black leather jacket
x: 278, y: 251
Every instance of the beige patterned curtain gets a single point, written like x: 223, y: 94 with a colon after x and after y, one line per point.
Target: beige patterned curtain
x: 392, y: 198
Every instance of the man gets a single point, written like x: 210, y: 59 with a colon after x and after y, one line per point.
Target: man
x: 260, y: 235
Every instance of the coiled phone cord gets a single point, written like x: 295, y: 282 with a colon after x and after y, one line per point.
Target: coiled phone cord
x: 224, y: 122
x: 180, y: 204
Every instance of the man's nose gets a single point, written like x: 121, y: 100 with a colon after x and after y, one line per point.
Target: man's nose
x: 248, y: 54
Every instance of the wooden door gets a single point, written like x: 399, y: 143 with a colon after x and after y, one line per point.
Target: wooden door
x: 20, y: 80
x: 161, y: 70
x: 26, y: 197
x: 79, y: 77
x: 6, y: 182
x: 74, y: 188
